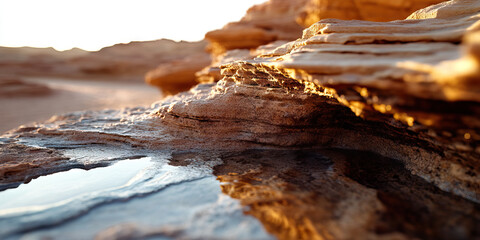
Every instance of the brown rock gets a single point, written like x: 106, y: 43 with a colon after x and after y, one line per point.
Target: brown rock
x: 357, y: 130
x: 177, y: 76
x: 370, y: 10
x: 262, y: 24
x: 20, y: 163
x: 284, y: 19
x: 212, y: 73
x: 342, y: 194
x: 387, y: 72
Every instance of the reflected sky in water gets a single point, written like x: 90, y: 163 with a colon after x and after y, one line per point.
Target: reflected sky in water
x: 142, y: 198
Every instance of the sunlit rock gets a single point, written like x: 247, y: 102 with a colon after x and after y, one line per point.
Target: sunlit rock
x: 284, y: 19
x: 212, y: 72
x: 391, y: 74
x: 357, y: 130
x: 177, y: 76
x: 370, y: 10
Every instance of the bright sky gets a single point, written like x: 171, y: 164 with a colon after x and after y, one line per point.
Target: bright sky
x: 93, y: 24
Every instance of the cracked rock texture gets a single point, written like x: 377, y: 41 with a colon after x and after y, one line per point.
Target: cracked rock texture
x: 268, y: 23
x: 389, y: 77
x: 356, y: 130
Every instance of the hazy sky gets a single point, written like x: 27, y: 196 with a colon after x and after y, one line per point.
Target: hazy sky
x: 93, y: 24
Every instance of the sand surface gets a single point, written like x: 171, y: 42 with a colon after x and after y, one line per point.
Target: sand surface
x: 73, y: 95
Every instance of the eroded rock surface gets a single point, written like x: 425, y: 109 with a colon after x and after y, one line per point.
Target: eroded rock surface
x: 285, y: 19
x: 212, y: 72
x: 376, y: 10
x: 391, y: 73
x: 20, y: 163
x: 356, y: 130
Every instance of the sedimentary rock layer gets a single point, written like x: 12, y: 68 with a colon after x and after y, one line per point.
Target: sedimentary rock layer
x: 212, y: 73
x: 284, y: 19
x: 296, y: 128
x: 370, y: 10
x: 387, y: 74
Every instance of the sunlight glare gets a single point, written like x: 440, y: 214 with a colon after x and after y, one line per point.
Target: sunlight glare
x: 93, y: 24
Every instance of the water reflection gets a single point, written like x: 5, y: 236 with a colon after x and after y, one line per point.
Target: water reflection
x: 143, y: 198
x: 291, y: 194
x: 64, y: 187
x: 339, y: 194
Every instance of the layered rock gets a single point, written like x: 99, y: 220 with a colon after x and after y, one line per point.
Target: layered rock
x: 20, y: 163
x: 212, y: 72
x: 284, y: 19
x: 377, y: 10
x: 273, y: 20
x: 385, y: 73
x: 356, y: 130
x: 266, y: 25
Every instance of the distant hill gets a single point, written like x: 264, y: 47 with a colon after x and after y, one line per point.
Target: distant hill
x: 128, y: 61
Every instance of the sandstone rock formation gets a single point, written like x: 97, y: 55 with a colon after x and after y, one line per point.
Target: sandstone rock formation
x: 284, y: 19
x: 20, y: 163
x: 341, y: 194
x: 275, y: 20
x: 377, y: 10
x: 357, y: 130
x: 178, y: 76
x: 389, y: 74
x: 212, y: 72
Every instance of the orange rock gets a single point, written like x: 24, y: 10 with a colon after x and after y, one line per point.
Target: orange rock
x: 284, y: 19
x: 177, y: 76
x: 370, y: 10
x: 212, y: 73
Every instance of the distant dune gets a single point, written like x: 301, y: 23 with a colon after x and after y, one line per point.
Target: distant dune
x: 127, y: 62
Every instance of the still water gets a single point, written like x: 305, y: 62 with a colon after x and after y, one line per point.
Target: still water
x: 138, y: 198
